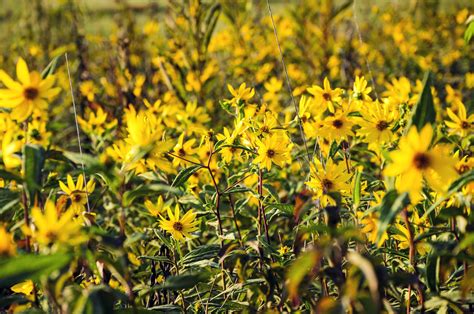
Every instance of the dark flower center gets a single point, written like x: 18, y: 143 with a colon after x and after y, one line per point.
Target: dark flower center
x: 421, y: 161
x: 76, y: 197
x: 265, y: 129
x: 31, y: 93
x: 465, y: 125
x: 270, y: 153
x: 178, y: 226
x: 327, y: 96
x: 337, y: 123
x: 327, y: 185
x: 181, y: 152
x: 382, y: 125
x: 463, y: 169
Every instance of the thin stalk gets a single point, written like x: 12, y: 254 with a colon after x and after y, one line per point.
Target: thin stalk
x: 232, y: 207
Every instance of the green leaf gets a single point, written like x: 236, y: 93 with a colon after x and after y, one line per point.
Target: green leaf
x: 87, y: 160
x: 183, y: 281
x: 356, y: 190
x: 369, y: 272
x: 299, y: 269
x: 33, y: 163
x: 99, y: 300
x: 10, y: 176
x: 432, y: 271
x: 156, y: 258
x: 50, y: 67
x: 469, y: 32
x: 147, y: 190
x: 392, y: 204
x: 18, y: 269
x: 200, y: 253
x: 184, y: 175
x: 424, y: 111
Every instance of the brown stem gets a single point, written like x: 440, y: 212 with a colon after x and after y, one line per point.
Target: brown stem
x: 231, y: 202
x: 217, y: 211
x: 411, y: 256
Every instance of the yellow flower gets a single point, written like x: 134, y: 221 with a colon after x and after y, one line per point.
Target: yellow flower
x: 180, y: 228
x: 415, y: 160
x: 7, y: 246
x: 370, y: 222
x: 184, y: 150
x: 376, y: 124
x: 244, y: 93
x: 54, y: 229
x: 231, y: 153
x: 146, y: 147
x: 88, y: 89
x: 400, y: 91
x: 26, y: 288
x: 10, y: 147
x: 360, y: 90
x: 460, y: 123
x: 97, y: 122
x: 284, y: 250
x: 326, y: 96
x: 324, y: 180
x: 273, y: 149
x: 77, y: 193
x: 158, y: 208
x: 337, y: 127
x: 29, y: 93
x: 404, y: 240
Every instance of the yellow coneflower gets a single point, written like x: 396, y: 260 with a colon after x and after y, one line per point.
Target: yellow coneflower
x: 180, y: 228
x: 29, y: 93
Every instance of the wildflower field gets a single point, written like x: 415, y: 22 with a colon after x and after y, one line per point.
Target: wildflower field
x: 218, y: 156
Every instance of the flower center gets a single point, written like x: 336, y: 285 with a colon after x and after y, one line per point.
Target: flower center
x: 76, y: 198
x: 463, y: 169
x: 178, y: 226
x: 265, y: 129
x: 31, y: 93
x: 327, y: 185
x: 270, y: 153
x: 181, y: 152
x: 421, y: 161
x: 327, y: 96
x: 382, y: 125
x: 464, y: 125
x: 337, y: 123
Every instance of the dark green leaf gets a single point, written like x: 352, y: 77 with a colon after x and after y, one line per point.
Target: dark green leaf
x: 18, y: 269
x: 392, y: 204
x: 432, y: 271
x: 200, y: 253
x: 184, y: 175
x: 424, y: 111
x: 10, y: 176
x: 33, y: 163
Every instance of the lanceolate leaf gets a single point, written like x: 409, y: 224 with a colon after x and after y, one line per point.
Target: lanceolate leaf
x: 424, y: 110
x: 392, y: 204
x: 184, y: 175
x: 33, y: 162
x: 432, y: 271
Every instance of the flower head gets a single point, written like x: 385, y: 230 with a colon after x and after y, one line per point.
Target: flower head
x: 326, y: 95
x: 52, y: 228
x: 179, y: 227
x: 274, y: 149
x: 415, y: 160
x: 31, y: 92
x: 77, y: 192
